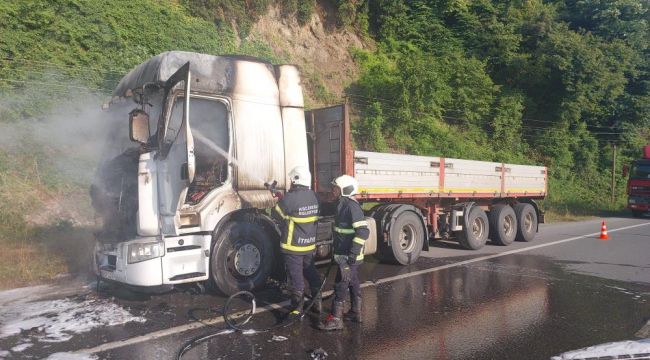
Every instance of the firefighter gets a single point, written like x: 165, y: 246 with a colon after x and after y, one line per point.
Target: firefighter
x: 298, y: 213
x: 350, y: 234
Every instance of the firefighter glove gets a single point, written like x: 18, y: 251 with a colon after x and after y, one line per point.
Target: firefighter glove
x: 346, y: 273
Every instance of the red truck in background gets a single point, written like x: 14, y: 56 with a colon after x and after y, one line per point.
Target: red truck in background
x: 638, y: 185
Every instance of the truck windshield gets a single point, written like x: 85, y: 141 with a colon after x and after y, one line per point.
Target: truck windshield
x: 209, y: 124
x: 640, y: 171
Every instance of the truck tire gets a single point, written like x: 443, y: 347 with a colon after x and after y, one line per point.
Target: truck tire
x: 406, y: 239
x: 242, y: 257
x: 503, y: 224
x: 526, y: 222
x: 475, y: 234
x: 637, y: 213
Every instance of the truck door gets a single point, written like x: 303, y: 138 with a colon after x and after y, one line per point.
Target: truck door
x: 176, y: 150
x: 330, y: 146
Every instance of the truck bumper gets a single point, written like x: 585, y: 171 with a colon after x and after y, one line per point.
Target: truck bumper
x: 639, y: 207
x: 184, y: 259
x: 638, y: 203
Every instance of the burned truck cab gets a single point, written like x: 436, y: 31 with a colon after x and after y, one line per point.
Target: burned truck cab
x: 186, y: 202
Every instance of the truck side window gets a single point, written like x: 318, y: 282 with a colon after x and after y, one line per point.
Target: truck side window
x: 209, y: 124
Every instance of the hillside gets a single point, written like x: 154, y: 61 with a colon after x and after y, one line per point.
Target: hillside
x: 544, y: 82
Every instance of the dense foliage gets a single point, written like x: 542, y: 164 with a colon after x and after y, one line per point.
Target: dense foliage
x: 545, y: 82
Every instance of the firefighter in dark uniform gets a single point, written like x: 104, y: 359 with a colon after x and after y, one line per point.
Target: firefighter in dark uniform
x: 298, y: 214
x: 350, y: 234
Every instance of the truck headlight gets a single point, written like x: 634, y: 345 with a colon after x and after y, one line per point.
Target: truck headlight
x: 632, y: 201
x: 145, y: 251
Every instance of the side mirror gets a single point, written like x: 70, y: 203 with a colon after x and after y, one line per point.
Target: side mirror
x: 139, y: 126
x: 626, y: 170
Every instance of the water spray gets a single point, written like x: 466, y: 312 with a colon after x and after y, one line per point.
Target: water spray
x: 224, y: 153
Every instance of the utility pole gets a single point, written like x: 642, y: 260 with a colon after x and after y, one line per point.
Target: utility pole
x: 613, y: 172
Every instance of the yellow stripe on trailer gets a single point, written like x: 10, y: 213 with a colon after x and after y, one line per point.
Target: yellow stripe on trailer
x: 397, y: 190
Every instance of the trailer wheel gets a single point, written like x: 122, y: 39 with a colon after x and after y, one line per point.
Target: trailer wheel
x: 406, y: 240
x: 475, y: 233
x: 526, y: 222
x: 242, y: 258
x: 503, y: 224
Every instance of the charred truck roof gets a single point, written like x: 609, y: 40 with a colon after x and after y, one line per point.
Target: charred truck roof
x: 210, y: 73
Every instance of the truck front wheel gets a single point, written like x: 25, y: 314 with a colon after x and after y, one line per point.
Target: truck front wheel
x: 242, y: 257
x: 476, y: 229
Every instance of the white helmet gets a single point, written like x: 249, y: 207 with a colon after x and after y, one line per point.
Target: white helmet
x: 348, y: 185
x: 300, y: 175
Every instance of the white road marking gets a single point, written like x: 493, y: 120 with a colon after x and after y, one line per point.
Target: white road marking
x: 487, y: 257
x: 644, y: 332
x: 182, y: 328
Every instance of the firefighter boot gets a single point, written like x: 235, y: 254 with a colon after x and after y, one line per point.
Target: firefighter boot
x: 354, y: 314
x: 317, y: 301
x: 297, y: 302
x: 334, y: 321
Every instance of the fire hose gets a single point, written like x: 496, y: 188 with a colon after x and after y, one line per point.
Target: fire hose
x: 238, y: 325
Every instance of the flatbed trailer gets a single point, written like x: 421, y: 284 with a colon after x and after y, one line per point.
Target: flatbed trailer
x: 413, y: 199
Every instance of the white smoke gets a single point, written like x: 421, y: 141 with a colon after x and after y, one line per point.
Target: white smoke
x: 73, y: 132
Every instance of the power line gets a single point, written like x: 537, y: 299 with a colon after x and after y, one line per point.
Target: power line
x: 64, y: 66
x: 52, y: 74
x: 50, y: 84
x: 522, y: 126
x: 368, y: 100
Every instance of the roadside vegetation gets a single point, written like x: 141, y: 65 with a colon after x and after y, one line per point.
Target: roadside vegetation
x: 553, y: 83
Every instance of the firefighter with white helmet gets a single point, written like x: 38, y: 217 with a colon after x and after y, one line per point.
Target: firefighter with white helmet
x: 350, y: 234
x: 298, y: 212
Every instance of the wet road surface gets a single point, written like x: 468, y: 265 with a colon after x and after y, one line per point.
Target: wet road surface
x: 565, y: 290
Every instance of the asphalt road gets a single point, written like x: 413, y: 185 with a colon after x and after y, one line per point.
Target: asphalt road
x: 565, y: 290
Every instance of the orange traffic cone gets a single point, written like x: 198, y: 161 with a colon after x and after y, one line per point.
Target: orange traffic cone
x: 603, y: 231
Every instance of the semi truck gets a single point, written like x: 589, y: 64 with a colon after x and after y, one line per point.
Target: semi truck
x: 188, y: 200
x: 638, y: 184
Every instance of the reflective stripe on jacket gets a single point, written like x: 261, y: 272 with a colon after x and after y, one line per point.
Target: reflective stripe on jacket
x: 299, y: 210
x: 350, y: 229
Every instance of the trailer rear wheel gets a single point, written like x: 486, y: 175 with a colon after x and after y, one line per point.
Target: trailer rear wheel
x: 526, y: 222
x: 503, y: 224
x: 242, y: 257
x: 475, y: 233
x: 406, y: 239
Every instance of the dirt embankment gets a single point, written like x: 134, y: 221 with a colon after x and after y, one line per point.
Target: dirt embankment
x: 320, y: 48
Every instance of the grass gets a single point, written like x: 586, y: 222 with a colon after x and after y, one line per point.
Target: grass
x: 45, y: 254
x: 38, y: 237
x: 28, y: 264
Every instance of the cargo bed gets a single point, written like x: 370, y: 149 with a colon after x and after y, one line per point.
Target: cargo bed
x: 383, y: 175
